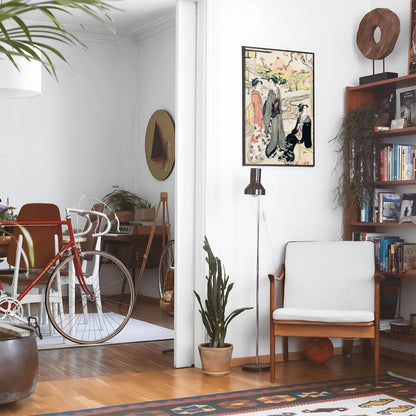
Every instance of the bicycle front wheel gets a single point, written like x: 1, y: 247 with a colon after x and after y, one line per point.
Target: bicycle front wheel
x: 97, y: 314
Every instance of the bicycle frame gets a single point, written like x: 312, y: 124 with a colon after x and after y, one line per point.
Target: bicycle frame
x: 70, y: 245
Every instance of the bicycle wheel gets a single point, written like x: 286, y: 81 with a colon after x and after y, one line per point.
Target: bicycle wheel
x: 167, y: 261
x: 84, y: 319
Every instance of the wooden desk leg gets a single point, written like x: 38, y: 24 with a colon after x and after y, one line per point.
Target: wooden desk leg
x: 347, y: 344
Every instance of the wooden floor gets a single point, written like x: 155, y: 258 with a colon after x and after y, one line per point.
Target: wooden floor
x: 88, y: 377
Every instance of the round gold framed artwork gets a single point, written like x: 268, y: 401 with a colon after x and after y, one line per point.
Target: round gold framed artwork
x: 160, y: 144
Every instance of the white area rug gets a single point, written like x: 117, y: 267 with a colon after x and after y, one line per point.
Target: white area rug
x: 134, y: 331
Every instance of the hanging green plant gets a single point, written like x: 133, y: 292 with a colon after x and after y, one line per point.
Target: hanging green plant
x: 358, y: 156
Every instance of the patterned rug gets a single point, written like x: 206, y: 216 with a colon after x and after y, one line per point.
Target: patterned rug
x: 348, y: 397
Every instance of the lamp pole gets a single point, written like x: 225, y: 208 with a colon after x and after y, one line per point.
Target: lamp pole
x: 256, y: 189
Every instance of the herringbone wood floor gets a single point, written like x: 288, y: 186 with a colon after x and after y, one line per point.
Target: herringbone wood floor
x: 79, y: 378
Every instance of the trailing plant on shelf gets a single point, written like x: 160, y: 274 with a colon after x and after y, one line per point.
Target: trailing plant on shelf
x: 213, y: 310
x: 358, y: 157
x: 37, y: 41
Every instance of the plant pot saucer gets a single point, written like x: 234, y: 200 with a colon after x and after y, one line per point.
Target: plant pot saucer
x: 215, y: 373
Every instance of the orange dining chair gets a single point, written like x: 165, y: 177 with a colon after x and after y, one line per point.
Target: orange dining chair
x: 46, y: 242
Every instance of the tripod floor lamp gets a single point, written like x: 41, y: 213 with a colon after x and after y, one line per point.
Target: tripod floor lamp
x: 256, y: 189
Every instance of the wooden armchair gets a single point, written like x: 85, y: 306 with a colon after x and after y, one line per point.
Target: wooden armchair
x: 330, y: 289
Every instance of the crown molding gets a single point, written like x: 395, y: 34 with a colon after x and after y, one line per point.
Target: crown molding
x: 154, y: 28
x: 108, y: 33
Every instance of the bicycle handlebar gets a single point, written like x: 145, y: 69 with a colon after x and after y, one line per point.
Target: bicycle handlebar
x: 87, y: 214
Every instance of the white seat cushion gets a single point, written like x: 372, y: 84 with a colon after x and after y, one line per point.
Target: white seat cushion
x: 323, y: 315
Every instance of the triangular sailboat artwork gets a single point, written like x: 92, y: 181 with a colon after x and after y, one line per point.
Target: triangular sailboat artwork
x: 158, y: 154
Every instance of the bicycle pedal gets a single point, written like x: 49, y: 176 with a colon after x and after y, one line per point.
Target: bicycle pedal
x: 35, y: 325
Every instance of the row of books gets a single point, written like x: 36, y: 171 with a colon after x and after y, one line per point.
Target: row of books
x: 389, y: 206
x: 392, y: 253
x: 397, y: 162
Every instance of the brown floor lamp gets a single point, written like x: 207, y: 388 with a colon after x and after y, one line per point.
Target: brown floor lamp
x: 256, y: 189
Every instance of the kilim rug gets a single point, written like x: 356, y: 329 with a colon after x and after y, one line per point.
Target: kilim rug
x: 348, y: 397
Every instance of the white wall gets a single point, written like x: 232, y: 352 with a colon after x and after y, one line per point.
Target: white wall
x: 78, y: 136
x: 299, y: 200
x: 156, y: 91
x: 86, y: 133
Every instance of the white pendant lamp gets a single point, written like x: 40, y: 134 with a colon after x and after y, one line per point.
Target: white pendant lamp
x: 22, y: 83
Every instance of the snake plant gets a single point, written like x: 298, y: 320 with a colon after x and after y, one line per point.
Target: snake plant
x: 218, y: 289
x: 33, y: 41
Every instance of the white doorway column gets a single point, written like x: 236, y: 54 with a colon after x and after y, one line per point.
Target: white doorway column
x: 186, y: 14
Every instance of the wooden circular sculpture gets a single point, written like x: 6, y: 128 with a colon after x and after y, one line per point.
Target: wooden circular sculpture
x: 160, y: 144
x: 319, y: 350
x: 389, y: 25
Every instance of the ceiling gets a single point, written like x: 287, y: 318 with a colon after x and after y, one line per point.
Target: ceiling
x: 137, y: 14
x: 130, y: 17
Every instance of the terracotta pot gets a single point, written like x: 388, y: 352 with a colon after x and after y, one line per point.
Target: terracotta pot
x: 145, y: 214
x: 215, y: 361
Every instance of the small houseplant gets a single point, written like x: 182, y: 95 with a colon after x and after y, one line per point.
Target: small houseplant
x: 123, y: 202
x: 145, y: 211
x: 216, y: 355
x: 6, y: 214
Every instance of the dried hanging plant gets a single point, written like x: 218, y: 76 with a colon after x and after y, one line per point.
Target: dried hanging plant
x: 358, y: 156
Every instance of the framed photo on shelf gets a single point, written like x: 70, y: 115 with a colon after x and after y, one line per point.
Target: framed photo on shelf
x: 278, y: 107
x: 412, y: 38
x: 408, y: 208
x: 406, y: 105
x: 389, y: 207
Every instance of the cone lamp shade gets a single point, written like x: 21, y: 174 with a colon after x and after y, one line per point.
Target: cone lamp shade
x: 22, y: 83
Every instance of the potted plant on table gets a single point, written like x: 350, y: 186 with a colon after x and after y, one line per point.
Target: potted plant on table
x: 216, y: 354
x: 145, y: 211
x: 123, y: 202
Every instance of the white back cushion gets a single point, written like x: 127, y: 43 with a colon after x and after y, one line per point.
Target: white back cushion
x: 335, y: 275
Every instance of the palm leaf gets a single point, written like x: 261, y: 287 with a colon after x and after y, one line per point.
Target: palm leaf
x: 28, y: 40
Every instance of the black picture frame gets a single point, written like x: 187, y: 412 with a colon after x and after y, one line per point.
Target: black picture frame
x: 278, y: 107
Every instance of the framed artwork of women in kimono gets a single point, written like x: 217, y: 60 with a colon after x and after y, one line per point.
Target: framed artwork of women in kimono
x: 278, y: 107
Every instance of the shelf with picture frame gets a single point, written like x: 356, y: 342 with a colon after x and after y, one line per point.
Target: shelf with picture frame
x: 365, y: 96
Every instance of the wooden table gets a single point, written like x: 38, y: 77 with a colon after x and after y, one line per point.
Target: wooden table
x: 131, y: 248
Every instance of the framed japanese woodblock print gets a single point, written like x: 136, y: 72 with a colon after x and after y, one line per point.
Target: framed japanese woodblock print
x: 278, y: 107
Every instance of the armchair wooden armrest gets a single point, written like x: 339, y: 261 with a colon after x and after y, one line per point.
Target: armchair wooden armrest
x: 273, y: 278
x: 280, y: 275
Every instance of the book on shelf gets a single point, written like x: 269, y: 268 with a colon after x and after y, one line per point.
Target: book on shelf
x: 408, y: 107
x: 408, y: 208
x: 385, y: 258
x: 401, y: 255
x: 389, y: 207
x: 388, y: 259
x: 397, y: 162
x: 408, y: 256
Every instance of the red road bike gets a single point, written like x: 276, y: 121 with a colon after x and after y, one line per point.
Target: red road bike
x: 89, y: 295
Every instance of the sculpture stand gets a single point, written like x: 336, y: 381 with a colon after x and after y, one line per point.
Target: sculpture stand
x: 381, y: 76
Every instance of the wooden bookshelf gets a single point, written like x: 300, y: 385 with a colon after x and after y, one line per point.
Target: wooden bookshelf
x: 361, y: 97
